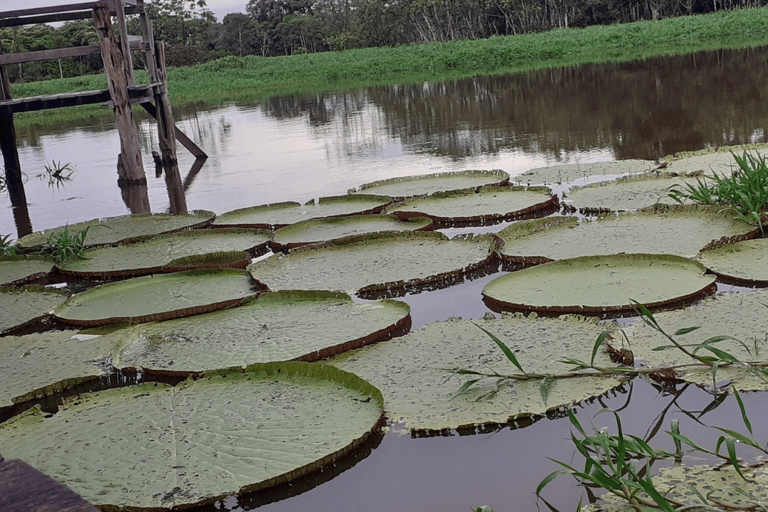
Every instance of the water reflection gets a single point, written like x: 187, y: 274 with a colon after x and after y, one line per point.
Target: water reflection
x: 302, y: 148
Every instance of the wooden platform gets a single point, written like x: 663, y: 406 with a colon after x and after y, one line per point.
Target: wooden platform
x: 25, y: 489
x: 137, y: 94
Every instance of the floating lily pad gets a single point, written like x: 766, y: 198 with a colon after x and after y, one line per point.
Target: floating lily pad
x: 710, y: 160
x: 411, y: 370
x: 326, y: 229
x: 157, y: 297
x: 20, y: 306
x: 679, y: 230
x: 743, y: 317
x: 630, y: 193
x: 157, y: 254
x: 486, y: 205
x: 600, y: 285
x: 39, y: 364
x: 156, y: 446
x: 18, y: 270
x: 378, y: 262
x: 278, y: 215
x: 581, y: 173
x: 744, y: 263
x: 409, y: 186
x: 277, y: 326
x: 722, y: 486
x: 127, y: 227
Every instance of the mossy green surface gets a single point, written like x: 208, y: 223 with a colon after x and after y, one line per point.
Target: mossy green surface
x: 427, y: 184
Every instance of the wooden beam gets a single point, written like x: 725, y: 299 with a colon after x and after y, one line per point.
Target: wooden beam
x: 56, y: 53
x: 14, y: 181
x: 81, y: 6
x: 117, y: 80
x: 185, y: 141
x: 14, y: 19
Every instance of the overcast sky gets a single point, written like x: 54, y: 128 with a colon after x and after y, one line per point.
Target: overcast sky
x: 220, y: 8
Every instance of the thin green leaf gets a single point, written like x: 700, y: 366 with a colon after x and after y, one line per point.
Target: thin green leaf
x: 685, y: 330
x: 507, y: 352
x: 598, y: 342
x: 731, y: 444
x: 548, y: 479
x: 545, y: 387
x: 743, y: 411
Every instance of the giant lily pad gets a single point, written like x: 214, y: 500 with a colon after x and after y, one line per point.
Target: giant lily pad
x: 679, y: 230
x: 19, y: 306
x: 278, y: 326
x: 710, y: 160
x: 127, y: 227
x: 600, y: 285
x: 722, y: 487
x: 378, y: 262
x: 157, y: 297
x: 39, y: 364
x: 321, y: 230
x: 409, y: 186
x: 19, y: 269
x: 625, y: 194
x: 741, y: 317
x: 486, y: 205
x: 278, y: 215
x: 743, y: 263
x: 411, y: 370
x: 156, y: 446
x: 583, y: 172
x: 159, y: 253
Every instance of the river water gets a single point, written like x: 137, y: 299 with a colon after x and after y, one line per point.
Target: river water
x: 302, y: 148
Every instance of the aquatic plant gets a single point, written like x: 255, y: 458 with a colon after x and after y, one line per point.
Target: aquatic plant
x: 745, y: 192
x: 7, y: 248
x: 621, y: 463
x: 63, y: 245
x: 57, y: 174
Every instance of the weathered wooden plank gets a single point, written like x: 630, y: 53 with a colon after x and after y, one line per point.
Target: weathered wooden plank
x: 13, y: 19
x: 81, y: 6
x: 180, y: 135
x: 117, y: 80
x: 22, y: 487
x: 137, y: 94
x: 14, y: 181
x: 56, y: 53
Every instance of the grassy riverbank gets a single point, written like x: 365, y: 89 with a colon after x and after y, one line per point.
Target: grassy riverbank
x: 258, y: 78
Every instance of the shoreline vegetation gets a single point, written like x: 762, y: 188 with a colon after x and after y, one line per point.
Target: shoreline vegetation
x: 257, y: 79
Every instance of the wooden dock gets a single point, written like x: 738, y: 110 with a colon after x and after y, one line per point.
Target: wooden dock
x: 25, y: 489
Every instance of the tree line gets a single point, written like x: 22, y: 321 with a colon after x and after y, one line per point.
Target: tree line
x: 285, y: 27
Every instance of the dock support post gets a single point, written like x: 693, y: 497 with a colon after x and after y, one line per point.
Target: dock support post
x: 115, y: 66
x: 166, y: 134
x: 13, y: 180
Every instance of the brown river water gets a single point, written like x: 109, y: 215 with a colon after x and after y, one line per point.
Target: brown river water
x: 301, y: 148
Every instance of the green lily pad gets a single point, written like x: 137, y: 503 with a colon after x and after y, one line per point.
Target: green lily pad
x: 411, y: 370
x: 742, y: 317
x: 377, y: 262
x: 18, y: 270
x: 127, y: 227
x: 277, y: 326
x: 20, y: 306
x: 743, y: 263
x: 409, y: 186
x: 710, y: 160
x: 154, y: 446
x: 155, y: 254
x: 326, y: 229
x: 39, y: 364
x: 630, y: 193
x: 486, y: 205
x: 577, y: 173
x: 157, y: 297
x: 278, y: 215
x: 679, y: 230
x: 600, y: 285
x: 719, y: 485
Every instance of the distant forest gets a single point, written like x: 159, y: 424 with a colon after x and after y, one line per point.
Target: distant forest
x: 286, y: 27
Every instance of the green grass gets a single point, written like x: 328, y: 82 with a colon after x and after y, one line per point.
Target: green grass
x: 259, y: 78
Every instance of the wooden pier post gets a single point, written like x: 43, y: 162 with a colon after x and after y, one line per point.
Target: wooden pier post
x: 118, y: 75
x: 166, y: 134
x: 13, y: 180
